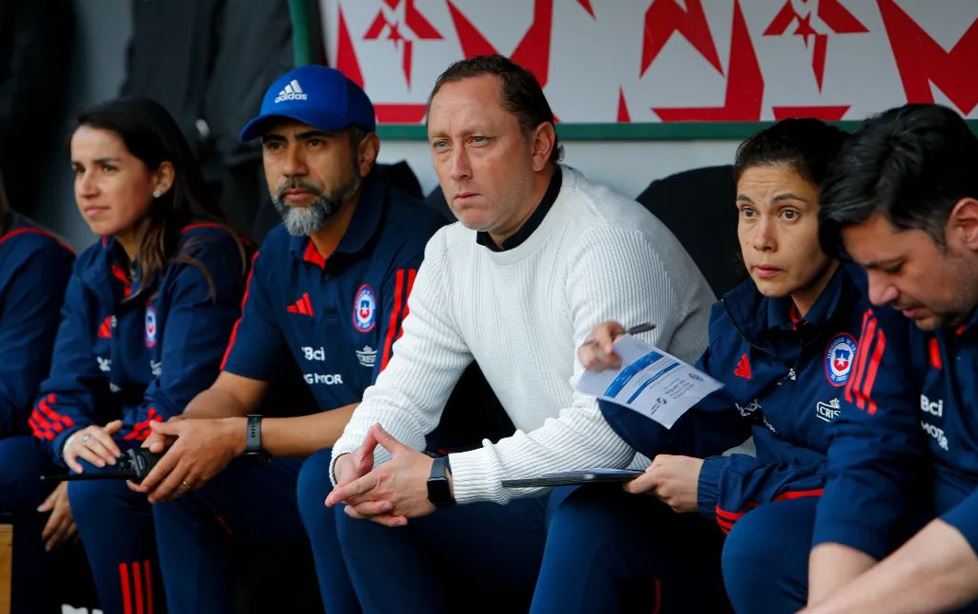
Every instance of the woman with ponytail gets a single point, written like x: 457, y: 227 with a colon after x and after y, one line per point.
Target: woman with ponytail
x: 147, y: 315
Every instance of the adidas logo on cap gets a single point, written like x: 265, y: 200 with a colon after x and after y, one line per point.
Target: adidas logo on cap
x: 292, y: 91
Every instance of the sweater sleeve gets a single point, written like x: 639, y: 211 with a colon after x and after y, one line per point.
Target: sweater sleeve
x: 617, y: 275
x: 409, y: 395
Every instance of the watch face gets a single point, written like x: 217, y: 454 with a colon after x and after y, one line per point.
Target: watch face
x: 439, y: 492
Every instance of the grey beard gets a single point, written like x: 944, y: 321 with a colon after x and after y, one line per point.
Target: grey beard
x: 304, y: 221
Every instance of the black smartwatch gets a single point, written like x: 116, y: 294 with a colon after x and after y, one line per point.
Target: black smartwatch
x: 253, y: 436
x: 439, y: 490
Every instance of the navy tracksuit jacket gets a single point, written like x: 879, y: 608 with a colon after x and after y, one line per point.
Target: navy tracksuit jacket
x: 785, y: 380
x: 34, y: 270
x: 912, y: 454
x: 137, y: 353
x: 784, y: 383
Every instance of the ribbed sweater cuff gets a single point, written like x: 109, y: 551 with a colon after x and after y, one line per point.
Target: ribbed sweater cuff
x: 473, y: 479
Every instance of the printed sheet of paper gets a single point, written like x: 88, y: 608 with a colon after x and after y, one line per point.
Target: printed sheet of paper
x: 652, y: 382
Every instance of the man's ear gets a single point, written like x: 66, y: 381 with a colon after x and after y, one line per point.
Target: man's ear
x: 542, y: 143
x: 963, y: 222
x: 367, y: 153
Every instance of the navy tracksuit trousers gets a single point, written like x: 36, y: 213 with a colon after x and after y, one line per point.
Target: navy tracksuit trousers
x: 609, y: 551
x: 254, y: 501
x: 116, y: 528
x: 479, y: 557
x: 765, y: 558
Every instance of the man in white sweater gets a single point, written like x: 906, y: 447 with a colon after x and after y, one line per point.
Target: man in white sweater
x: 539, y: 257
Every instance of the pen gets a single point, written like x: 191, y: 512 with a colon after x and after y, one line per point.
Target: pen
x: 638, y: 328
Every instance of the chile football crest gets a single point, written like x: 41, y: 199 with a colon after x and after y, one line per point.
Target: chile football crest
x: 150, y: 325
x: 839, y: 357
x: 365, y: 309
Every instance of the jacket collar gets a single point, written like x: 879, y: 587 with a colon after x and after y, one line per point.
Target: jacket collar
x: 759, y: 317
x: 363, y: 225
x: 110, y: 263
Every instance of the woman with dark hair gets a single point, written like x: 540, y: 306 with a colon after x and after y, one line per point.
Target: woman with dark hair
x: 783, y: 343
x: 34, y: 270
x: 147, y: 315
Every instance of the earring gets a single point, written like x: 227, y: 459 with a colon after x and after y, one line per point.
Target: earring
x: 157, y: 193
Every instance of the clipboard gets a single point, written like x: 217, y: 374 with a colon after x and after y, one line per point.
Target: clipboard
x: 570, y: 478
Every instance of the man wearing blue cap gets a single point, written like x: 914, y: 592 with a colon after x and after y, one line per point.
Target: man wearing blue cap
x: 329, y: 288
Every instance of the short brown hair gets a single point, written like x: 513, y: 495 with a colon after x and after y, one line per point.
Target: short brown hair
x: 521, y: 92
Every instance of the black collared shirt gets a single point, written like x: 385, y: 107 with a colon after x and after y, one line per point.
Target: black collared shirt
x: 531, y: 223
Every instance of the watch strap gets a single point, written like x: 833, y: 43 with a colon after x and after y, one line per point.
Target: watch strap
x: 253, y: 435
x: 440, y: 468
x: 439, y: 490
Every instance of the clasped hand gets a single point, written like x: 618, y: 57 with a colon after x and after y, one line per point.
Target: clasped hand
x: 388, y: 494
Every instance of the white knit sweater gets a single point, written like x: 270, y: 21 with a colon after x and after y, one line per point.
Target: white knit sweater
x: 521, y: 314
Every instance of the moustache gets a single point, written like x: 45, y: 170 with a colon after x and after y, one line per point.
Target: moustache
x: 297, y: 184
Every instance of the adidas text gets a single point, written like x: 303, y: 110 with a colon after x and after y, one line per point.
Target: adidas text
x: 290, y: 96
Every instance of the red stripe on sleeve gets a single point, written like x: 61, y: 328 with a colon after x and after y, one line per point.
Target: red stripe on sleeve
x: 799, y: 494
x: 141, y: 430
x: 412, y: 273
x: 392, y: 325
x: 37, y: 418
x: 732, y: 517
x: 860, y: 350
x: 244, y: 300
x: 41, y: 432
x: 729, y: 516
x: 866, y: 342
x: 56, y: 418
x: 124, y: 581
x: 37, y: 430
x: 866, y: 390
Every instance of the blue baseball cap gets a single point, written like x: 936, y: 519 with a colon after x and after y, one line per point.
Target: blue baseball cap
x: 316, y: 95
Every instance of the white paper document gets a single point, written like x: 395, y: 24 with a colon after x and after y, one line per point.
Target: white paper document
x: 652, y: 382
